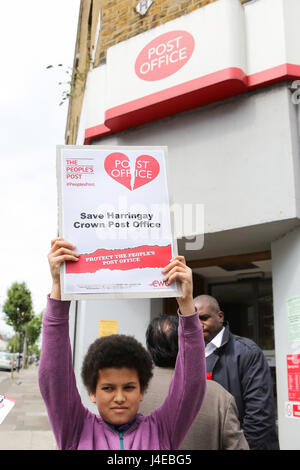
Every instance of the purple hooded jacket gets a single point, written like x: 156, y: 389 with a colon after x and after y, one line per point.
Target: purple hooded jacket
x: 75, y: 427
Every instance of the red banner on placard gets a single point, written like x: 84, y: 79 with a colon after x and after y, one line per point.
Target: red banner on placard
x: 145, y: 256
x: 293, y: 370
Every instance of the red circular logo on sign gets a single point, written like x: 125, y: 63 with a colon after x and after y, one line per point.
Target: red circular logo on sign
x: 164, y: 55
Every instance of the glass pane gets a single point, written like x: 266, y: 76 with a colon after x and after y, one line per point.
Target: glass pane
x: 248, y: 306
x: 266, y: 317
x: 237, y: 301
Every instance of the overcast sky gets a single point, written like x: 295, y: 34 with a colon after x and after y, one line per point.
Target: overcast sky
x: 33, y: 35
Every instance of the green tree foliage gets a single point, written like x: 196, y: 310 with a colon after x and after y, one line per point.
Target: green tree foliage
x: 34, y: 329
x: 35, y: 350
x: 13, y: 343
x: 18, y: 306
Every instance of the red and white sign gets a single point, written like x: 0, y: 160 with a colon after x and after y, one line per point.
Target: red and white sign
x: 296, y: 411
x: 293, y: 371
x: 114, y: 207
x: 292, y: 410
x: 117, y: 166
x: 164, y: 55
x: 184, y: 63
x: 6, y: 405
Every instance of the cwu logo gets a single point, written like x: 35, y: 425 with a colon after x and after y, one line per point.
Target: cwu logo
x: 160, y: 284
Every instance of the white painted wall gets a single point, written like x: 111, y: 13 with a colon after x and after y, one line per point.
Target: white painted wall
x: 273, y: 34
x: 286, y: 275
x: 294, y: 122
x: 237, y: 157
x: 95, y: 98
x: 266, y: 45
x: 291, y: 13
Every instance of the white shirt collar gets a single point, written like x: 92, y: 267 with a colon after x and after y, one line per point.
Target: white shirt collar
x: 214, y: 343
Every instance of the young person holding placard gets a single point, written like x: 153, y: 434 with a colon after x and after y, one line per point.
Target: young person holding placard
x: 116, y: 372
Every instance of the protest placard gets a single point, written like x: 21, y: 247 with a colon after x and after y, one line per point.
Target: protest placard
x: 114, y: 206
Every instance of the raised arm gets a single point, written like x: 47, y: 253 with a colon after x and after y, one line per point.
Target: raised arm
x: 56, y: 376
x: 61, y: 251
x: 188, y: 385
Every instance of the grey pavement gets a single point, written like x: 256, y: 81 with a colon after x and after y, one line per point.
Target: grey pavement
x: 26, y: 427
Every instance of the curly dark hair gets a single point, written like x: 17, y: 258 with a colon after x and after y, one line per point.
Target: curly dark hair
x: 116, y: 351
x: 162, y: 340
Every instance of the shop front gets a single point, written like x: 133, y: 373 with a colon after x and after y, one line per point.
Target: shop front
x: 215, y: 87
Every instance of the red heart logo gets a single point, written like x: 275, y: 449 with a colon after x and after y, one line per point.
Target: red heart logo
x: 117, y: 166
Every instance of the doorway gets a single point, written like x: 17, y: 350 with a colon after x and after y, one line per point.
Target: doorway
x: 248, y: 307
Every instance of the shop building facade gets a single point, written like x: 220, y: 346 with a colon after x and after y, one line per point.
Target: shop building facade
x: 217, y: 84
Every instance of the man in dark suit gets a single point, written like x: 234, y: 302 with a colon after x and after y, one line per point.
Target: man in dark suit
x: 239, y: 365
